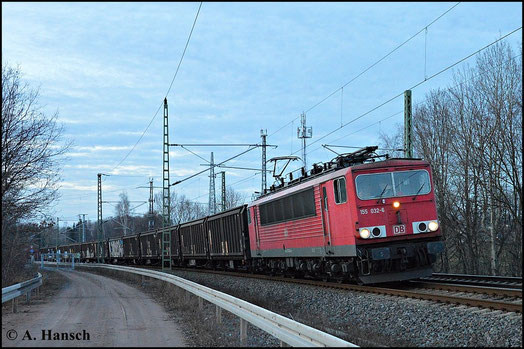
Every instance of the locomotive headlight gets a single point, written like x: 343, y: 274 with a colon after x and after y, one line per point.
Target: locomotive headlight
x: 433, y: 225
x: 364, y: 233
x: 396, y: 204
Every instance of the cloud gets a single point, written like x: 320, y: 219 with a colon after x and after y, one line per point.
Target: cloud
x: 78, y: 154
x: 97, y: 148
x: 138, y: 170
x: 75, y: 186
x: 180, y: 172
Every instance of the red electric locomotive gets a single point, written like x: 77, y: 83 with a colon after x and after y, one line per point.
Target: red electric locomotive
x: 353, y: 218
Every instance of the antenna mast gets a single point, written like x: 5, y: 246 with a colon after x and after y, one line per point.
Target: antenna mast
x: 304, y: 132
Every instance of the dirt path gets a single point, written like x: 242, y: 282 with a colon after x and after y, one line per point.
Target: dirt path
x: 109, y: 311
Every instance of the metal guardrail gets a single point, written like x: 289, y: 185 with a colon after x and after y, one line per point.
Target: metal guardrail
x: 17, y: 290
x: 288, y: 331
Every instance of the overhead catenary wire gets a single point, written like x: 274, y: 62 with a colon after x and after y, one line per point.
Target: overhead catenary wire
x: 421, y: 102
x: 198, y: 173
x: 400, y: 94
x: 232, y: 184
x: 341, y: 88
x: 167, y: 93
x: 413, y: 87
x: 368, y: 68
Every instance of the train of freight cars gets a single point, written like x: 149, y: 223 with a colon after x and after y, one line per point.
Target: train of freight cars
x: 351, y: 219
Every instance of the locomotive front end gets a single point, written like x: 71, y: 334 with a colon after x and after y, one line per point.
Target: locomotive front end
x: 397, y: 234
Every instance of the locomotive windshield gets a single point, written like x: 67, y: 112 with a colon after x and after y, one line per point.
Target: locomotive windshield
x: 392, y: 184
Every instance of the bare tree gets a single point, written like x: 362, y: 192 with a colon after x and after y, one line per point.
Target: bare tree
x: 184, y: 210
x: 181, y: 208
x: 31, y: 151
x: 122, y: 213
x: 392, y: 141
x: 234, y: 198
x: 471, y: 133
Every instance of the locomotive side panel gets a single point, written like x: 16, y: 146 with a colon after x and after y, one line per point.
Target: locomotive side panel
x: 339, y: 213
x: 290, y: 225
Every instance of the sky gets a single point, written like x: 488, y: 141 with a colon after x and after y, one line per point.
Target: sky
x: 106, y: 68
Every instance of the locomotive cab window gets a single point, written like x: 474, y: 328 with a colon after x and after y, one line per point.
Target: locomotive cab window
x: 339, y: 187
x: 392, y: 184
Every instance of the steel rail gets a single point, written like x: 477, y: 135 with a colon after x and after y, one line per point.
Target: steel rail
x: 490, y: 278
x: 472, y: 302
x: 484, y: 280
x: 495, y: 291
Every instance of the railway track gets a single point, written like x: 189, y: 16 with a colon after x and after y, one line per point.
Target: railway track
x: 454, y: 287
x: 477, y: 280
x: 507, y: 299
x: 495, y: 298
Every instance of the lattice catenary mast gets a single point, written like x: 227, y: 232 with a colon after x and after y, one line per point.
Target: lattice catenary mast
x: 212, y: 198
x: 166, y: 221
x: 100, y: 230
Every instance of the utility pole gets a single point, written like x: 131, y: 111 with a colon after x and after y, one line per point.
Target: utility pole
x: 304, y: 132
x: 212, y: 198
x: 166, y: 219
x: 408, y: 128
x: 263, y: 134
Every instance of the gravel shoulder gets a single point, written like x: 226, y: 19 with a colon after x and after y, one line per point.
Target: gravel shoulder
x: 111, y: 312
x: 199, y: 327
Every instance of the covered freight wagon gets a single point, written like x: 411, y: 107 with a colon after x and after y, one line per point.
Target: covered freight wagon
x: 116, y: 250
x: 194, y: 242
x: 228, y: 237
x: 131, y: 245
x: 150, y: 246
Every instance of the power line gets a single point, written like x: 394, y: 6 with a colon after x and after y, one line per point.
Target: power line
x: 371, y: 66
x: 414, y: 86
x: 185, y: 48
x: 196, y: 174
x: 232, y: 184
x: 421, y: 102
x: 167, y: 93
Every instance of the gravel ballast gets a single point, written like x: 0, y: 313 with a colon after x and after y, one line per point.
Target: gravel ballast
x: 368, y: 319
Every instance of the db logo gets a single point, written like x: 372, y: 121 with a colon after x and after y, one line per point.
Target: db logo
x: 399, y: 229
